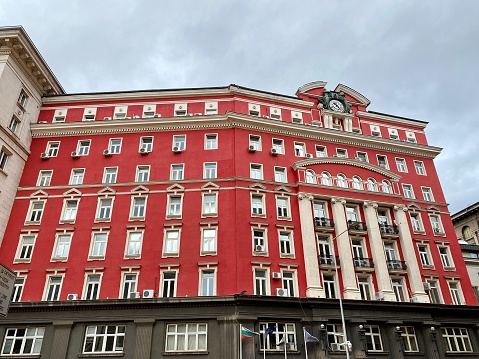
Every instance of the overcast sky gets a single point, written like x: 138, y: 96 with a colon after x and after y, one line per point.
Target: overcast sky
x: 411, y: 58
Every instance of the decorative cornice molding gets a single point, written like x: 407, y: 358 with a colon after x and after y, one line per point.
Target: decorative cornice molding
x: 310, y: 86
x: 353, y: 93
x: 374, y: 116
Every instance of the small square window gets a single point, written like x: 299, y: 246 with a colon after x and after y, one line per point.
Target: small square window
x: 321, y: 151
x: 419, y: 166
x: 341, y: 153
x: 393, y: 134
x: 401, y: 165
x: 142, y: 173
x: 256, y: 171
x: 210, y: 170
x: 109, y: 175
x: 383, y: 161
x: 211, y: 142
x: 362, y: 156
x: 44, y: 178
x: 278, y: 146
x: 254, y: 109
x: 181, y: 109
x: 179, y: 143
x: 14, y: 124
x: 115, y: 145
x: 52, y: 149
x: 77, y: 176
x: 255, y: 142
x: 299, y: 149
x: 59, y: 115
x: 375, y: 130
x: 23, y: 99
x: 408, y: 191
x: 427, y: 194
x: 275, y: 113
x: 146, y: 144
x: 280, y: 174
x: 211, y: 108
x: 177, y: 172
x: 89, y: 114
x: 83, y: 147
x: 120, y: 112
x: 296, y: 117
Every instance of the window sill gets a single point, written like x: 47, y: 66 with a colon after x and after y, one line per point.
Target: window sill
x: 20, y: 260
x: 377, y: 352
x: 284, y: 218
x: 132, y: 219
x: 2, y: 171
x: 283, y: 255
x: 99, y: 220
x: 23, y: 356
x: 96, y: 355
x: 29, y: 223
x: 173, y: 216
x: 472, y: 354
x: 170, y: 255
x: 209, y: 215
x: 202, y: 352
x: 59, y: 260
x: 258, y: 215
x: 68, y: 221
x: 208, y: 254
x: 96, y: 258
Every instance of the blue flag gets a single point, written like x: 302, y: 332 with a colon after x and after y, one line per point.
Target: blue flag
x: 270, y: 330
x: 309, y: 338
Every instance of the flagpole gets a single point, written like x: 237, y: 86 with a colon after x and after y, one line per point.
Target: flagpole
x: 240, y: 342
x: 305, y: 344
x: 264, y: 342
x: 284, y: 342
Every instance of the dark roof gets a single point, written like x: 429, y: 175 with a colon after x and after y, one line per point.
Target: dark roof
x: 400, y: 117
x: 463, y: 213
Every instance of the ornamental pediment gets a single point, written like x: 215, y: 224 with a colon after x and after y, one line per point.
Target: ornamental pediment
x: 433, y: 209
x: 282, y: 189
x: 175, y: 188
x: 72, y: 193
x: 140, y: 190
x: 414, y: 207
x: 107, y: 191
x: 39, y: 194
x: 210, y: 185
x: 257, y: 186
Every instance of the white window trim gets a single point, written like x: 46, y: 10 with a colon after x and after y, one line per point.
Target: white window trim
x: 166, y: 254
x: 413, y: 195
x: 267, y: 279
x: 215, y: 279
x: 47, y: 149
x: 176, y: 216
x: 253, y: 194
x: 287, y: 218
x: 204, y: 170
x: 430, y: 193
x: 64, y: 208
x: 423, y: 168
x: 182, y: 171
x: 174, y: 141
x: 141, y: 143
x: 439, y: 221
x: 429, y: 256
x: 295, y: 280
x: 124, y: 273
x: 215, y: 251
x: 91, y: 257
x: 30, y: 210
x: 259, y: 141
x: 138, y: 171
x: 97, y: 213
x: 40, y: 177
x: 19, y: 248
x: 206, y: 140
x: 260, y: 171
x: 452, y: 266
x: 285, y: 172
x: 110, y: 145
x: 397, y: 165
x: 264, y: 253
x: 54, y: 258
x: 79, y: 145
x: 282, y: 145
x: 71, y: 176
x: 303, y: 145
x: 104, y: 175
x: 47, y: 281
x: 89, y: 112
x: 459, y: 292
x: 127, y: 244
x: 291, y: 242
x: 85, y: 283
x: 132, y: 204
x: 207, y: 215
x: 162, y: 281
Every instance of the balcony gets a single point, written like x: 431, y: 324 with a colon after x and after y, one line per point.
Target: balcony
x: 396, y: 265
x: 328, y: 261
x: 364, y: 263
x: 388, y: 230
x: 357, y: 227
x: 323, y: 224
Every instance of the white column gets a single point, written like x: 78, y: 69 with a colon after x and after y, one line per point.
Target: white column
x: 310, y: 248
x: 407, y: 245
x: 327, y: 121
x: 377, y: 251
x: 351, y: 290
x: 348, y: 124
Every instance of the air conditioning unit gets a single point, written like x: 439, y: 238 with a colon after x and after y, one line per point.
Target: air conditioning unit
x: 134, y: 295
x: 335, y: 347
x: 414, y: 299
x: 143, y: 151
x: 136, y: 116
x: 107, y: 119
x: 281, y: 292
x: 274, y: 152
x: 157, y: 115
x: 308, y: 155
x: 107, y: 153
x: 148, y: 293
x: 379, y: 296
x: 276, y: 275
x: 75, y: 154
x: 176, y: 150
x: 259, y: 248
x: 427, y: 286
x: 73, y: 296
x: 252, y: 148
x: 265, y: 117
x: 44, y: 156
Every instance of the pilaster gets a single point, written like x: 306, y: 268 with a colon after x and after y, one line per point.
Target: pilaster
x: 61, y: 339
x: 144, y: 331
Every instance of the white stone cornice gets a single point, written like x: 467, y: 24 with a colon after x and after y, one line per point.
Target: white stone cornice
x: 310, y: 86
x: 270, y: 96
x: 386, y: 118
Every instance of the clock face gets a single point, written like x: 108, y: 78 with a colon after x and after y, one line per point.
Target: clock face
x: 336, y: 105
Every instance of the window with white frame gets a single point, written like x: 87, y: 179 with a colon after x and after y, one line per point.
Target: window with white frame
x: 329, y: 286
x: 255, y: 142
x: 186, y: 337
x: 77, y: 175
x: 341, y: 181
x: 401, y: 165
x: 181, y: 109
x: 211, y: 142
x: 416, y: 221
x: 254, y: 109
x: 22, y: 99
x: 23, y: 341
x: 89, y: 114
x: 358, y: 252
x: 275, y: 113
x: 168, y: 284
x: 299, y: 149
x: 310, y: 176
x: 335, y: 336
x: 278, y: 146
x: 408, y: 336
x: 364, y: 284
x: 83, y: 147
x: 70, y: 209
x: 296, y: 117
x: 179, y: 143
x: 138, y: 207
x: 62, y: 247
x: 282, y: 207
x: 352, y: 214
x: 120, y: 112
x: 210, y: 206
x: 411, y: 136
x: 260, y: 281
x: 109, y: 174
x: 324, y: 249
x: 142, y: 173
x: 146, y: 143
x: 208, y: 240
x: 373, y: 338
x: 25, y: 248
x: 276, y: 341
x: 207, y: 282
x: 436, y: 224
x: 98, y: 245
x: 210, y: 170
x: 104, y: 339
x: 419, y: 166
x: 386, y: 185
x: 408, y: 191
x: 375, y: 130
x: 434, y: 291
x: 362, y: 156
x: 133, y: 244
x: 256, y: 171
x: 382, y: 161
x: 92, y: 286
x: 211, y: 108
x: 104, y: 208
x: 4, y: 156
x: 172, y: 243
x: 456, y: 340
x: 357, y: 183
x: 53, y: 286
x: 259, y: 240
x: 445, y: 257
x: 427, y: 194
x: 36, y: 211
x: 177, y: 171
x: 321, y: 151
x: 280, y: 174
x: 129, y: 284
x: 393, y: 133
x: 115, y: 145
x: 18, y: 286
x: 326, y: 179
x: 456, y: 292
x: 372, y: 185
x: 14, y: 124
x: 289, y: 282
x: 286, y: 247
x: 60, y: 115
x: 398, y: 289
x: 425, y: 255
x: 257, y: 205
x: 341, y: 153
x: 52, y: 149
x: 174, y: 206
x: 44, y: 178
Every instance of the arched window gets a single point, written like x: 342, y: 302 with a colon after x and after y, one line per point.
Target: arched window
x: 310, y: 176
x: 372, y: 186
x: 466, y: 233
x: 357, y: 182
x: 326, y: 179
x: 387, y: 188
x: 341, y: 181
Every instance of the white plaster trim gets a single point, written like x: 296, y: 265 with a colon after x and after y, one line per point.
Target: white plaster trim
x: 386, y: 118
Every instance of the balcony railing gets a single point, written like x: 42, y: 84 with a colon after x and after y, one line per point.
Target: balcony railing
x: 363, y: 263
x: 388, y: 228
x: 394, y: 264
x: 323, y: 222
x: 328, y: 260
x: 357, y: 226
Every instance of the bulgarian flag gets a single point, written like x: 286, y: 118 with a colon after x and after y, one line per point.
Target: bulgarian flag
x: 246, y: 333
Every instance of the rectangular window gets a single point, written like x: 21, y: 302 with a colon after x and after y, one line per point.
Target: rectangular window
x: 77, y: 175
x: 25, y: 248
x: 341, y: 153
x: 321, y: 151
x: 210, y: 204
x: 133, y: 244
x: 408, y: 336
x: 4, y: 155
x: 70, y: 209
x: 278, y: 146
x: 210, y: 170
x: 401, y: 165
x: 98, y: 245
x: 52, y: 290
x: 382, y: 161
x: 172, y: 243
x: 22, y: 99
x: 398, y: 289
x: 92, y: 286
x: 329, y: 286
x: 445, y: 257
x: 44, y: 178
x: 104, y: 209
x: 373, y: 338
x: 286, y: 246
x: 83, y: 147
x: 456, y: 340
x: 255, y: 142
x: 174, y: 206
x: 299, y: 149
x: 436, y: 225
x: 14, y: 124
x: 408, y: 192
x: 186, y: 337
x: 18, y: 289
x: 130, y: 282
x: 259, y: 241
x: 89, y: 114
x: 146, y: 144
x: 35, y: 213
x: 362, y: 156
x: 60, y: 115
x: 104, y: 339
x: 282, y: 207
x: 256, y: 171
x: 280, y: 174
x: 257, y: 205
x: 207, y: 282
x: 109, y: 174
x: 456, y: 293
x: 177, y: 172
x: 211, y: 108
x: 416, y: 222
x: 393, y: 133
x: 419, y: 166
x: 289, y: 282
x: 211, y: 142
x: 23, y: 341
x: 142, y: 173
x: 62, y: 247
x: 181, y: 109
x: 52, y: 149
x: 352, y: 214
x: 179, y: 143
x: 427, y: 194
x: 115, y: 145
x: 335, y: 337
x: 138, y: 207
x: 260, y: 282
x: 276, y: 340
x: 424, y: 255
x: 364, y: 288
x: 253, y: 109
x: 434, y: 291
x: 168, y: 284
x: 208, y: 241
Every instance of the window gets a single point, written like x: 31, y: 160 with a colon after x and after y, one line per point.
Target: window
x: 320, y: 151
x: 210, y: 170
x: 115, y: 145
x: 445, y: 257
x: 44, y: 178
x: 62, y: 247
x: 259, y: 241
x: 326, y: 179
x: 130, y: 281
x: 208, y: 242
x: 77, y: 176
x: 427, y: 194
x: 373, y: 338
x: 341, y: 181
x: 280, y: 174
x: 286, y: 246
x: 436, y: 224
x: 391, y: 256
x: 25, y: 248
x: 255, y: 142
x: 335, y: 337
x: 210, y: 204
x: 299, y: 149
x: 408, y: 192
x: 289, y: 279
x: 179, y: 142
x: 408, y: 336
x: 18, y: 289
x: 211, y: 108
x: 83, y: 148
x: 260, y: 282
x: 52, y: 291
x: 172, y: 243
x: 177, y: 172
x: 358, y: 252
x: 352, y: 214
x: 387, y: 188
x: 89, y: 114
x: 398, y: 289
x: 70, y: 209
x: 168, y: 284
x: 329, y: 286
x: 456, y: 293
x: 364, y: 288
x: 181, y: 109
x: 278, y: 145
x: 296, y: 117
x: 109, y: 175
x: 375, y: 131
x: 382, y: 161
x: 276, y: 341
x: 310, y: 177
x: 372, y: 185
x: 456, y: 339
x: 275, y: 114
x: 257, y: 205
x: 104, y: 209
x: 253, y: 109
x: 341, y: 153
x: 36, y: 212
x: 419, y: 166
x: 411, y: 136
x: 4, y: 155
x: 22, y: 99
x: 23, y: 341
x: 92, y: 286
x: 14, y: 124
x: 401, y: 164
x: 207, y: 282
x: 319, y: 210
x: 211, y: 142
x: 104, y: 339
x: 424, y: 255
x: 282, y: 207
x: 138, y: 207
x: 98, y: 246
x: 186, y: 337
x: 256, y: 171
x: 416, y: 222
x: 174, y: 206
x: 52, y: 149
x: 434, y: 291
x: 357, y: 183
x: 362, y: 156
x: 133, y: 244
x: 393, y: 133
x: 146, y: 143
x: 142, y: 173
x: 60, y: 115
